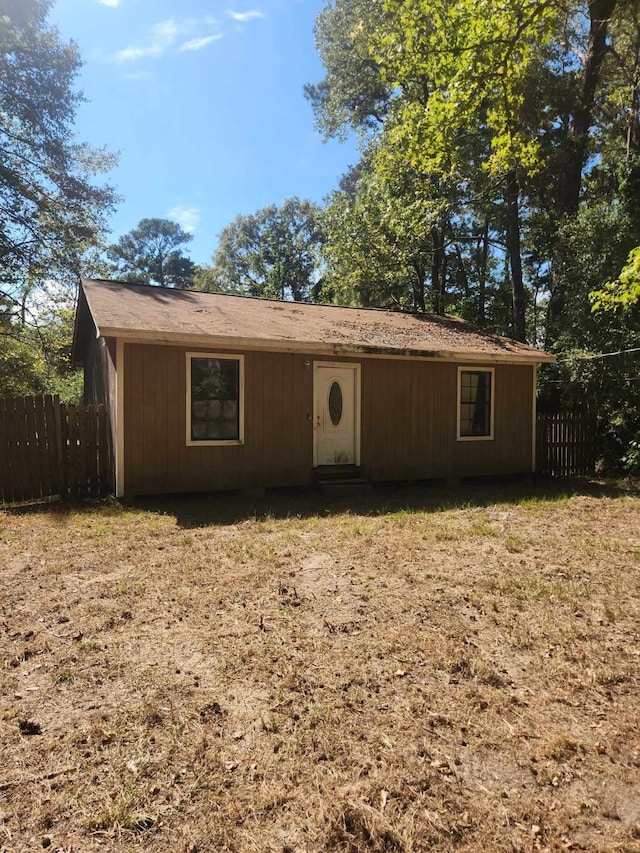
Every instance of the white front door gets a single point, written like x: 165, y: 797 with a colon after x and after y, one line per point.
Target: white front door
x: 336, y: 414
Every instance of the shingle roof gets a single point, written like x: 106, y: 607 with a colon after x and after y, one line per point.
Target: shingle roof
x: 145, y: 312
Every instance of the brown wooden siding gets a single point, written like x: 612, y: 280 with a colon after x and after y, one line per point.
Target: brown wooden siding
x: 100, y: 377
x: 408, y: 423
x: 278, y: 446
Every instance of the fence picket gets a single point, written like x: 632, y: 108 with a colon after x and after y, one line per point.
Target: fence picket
x: 43, y: 473
x: 20, y: 486
x: 31, y: 447
x: 71, y: 449
x: 12, y: 457
x: 52, y: 445
x: 565, y: 444
x: 4, y: 464
x: 47, y: 449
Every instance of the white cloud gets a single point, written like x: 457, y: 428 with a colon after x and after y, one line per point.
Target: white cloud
x: 161, y: 36
x: 198, y: 44
x: 241, y: 17
x: 187, y: 217
x: 164, y: 35
x: 112, y: 3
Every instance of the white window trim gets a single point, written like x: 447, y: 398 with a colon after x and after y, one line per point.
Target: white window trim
x: 216, y: 442
x: 476, y: 369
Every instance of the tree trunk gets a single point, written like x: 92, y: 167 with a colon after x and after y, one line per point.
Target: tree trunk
x: 515, y: 258
x: 418, y: 289
x: 482, y: 278
x: 600, y: 12
x: 436, y: 270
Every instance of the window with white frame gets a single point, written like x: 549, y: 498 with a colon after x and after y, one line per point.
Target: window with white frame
x: 475, y: 403
x: 215, y: 385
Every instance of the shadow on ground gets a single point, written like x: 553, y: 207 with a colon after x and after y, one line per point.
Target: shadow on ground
x: 221, y: 508
x: 193, y: 511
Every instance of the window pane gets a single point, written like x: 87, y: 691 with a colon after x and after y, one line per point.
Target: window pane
x: 469, y: 387
x: 215, y: 399
x: 475, y: 403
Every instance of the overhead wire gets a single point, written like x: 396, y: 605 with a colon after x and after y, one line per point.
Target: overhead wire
x: 598, y: 355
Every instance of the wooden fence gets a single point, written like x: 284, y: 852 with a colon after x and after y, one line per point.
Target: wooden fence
x: 566, y: 445
x: 48, y: 448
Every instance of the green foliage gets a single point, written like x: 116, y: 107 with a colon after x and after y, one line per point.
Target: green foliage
x: 625, y: 291
x: 353, y: 93
x: 494, y: 110
x: 22, y: 368
x: 273, y: 253
x: 595, y: 243
x: 384, y: 239
x: 434, y: 79
x: 607, y: 387
x: 475, y: 69
x: 51, y: 211
x: 151, y: 254
x: 631, y: 458
x: 35, y: 355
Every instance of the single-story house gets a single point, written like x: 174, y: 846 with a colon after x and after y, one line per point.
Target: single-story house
x: 210, y: 391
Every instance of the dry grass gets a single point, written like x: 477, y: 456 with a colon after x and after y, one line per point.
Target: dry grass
x: 410, y: 675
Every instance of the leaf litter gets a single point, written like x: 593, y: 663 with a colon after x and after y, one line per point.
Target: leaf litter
x: 398, y: 676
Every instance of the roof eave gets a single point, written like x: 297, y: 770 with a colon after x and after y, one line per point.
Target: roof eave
x: 321, y: 347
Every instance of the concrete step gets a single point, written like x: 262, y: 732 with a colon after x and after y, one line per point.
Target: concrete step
x: 333, y: 473
x: 338, y: 488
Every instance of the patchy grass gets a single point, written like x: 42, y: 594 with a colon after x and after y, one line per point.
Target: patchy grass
x: 426, y: 671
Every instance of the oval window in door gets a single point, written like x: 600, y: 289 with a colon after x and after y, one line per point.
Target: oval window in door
x: 335, y: 403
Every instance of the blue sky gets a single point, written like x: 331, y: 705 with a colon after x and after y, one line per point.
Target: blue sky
x: 203, y: 101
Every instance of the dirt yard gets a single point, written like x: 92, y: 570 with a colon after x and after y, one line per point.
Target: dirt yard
x: 423, y: 671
